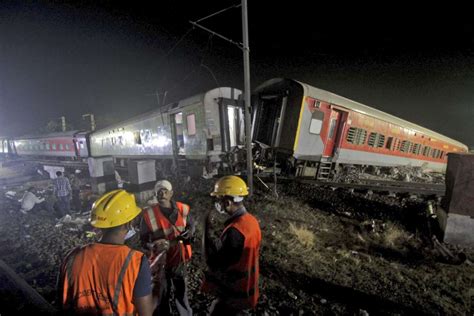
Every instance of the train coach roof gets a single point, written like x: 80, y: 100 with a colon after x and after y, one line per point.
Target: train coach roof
x: 50, y: 135
x: 335, y: 99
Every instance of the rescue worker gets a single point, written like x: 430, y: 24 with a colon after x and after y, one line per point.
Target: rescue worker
x: 76, y: 183
x: 62, y: 190
x: 232, y: 260
x: 107, y: 277
x: 169, y: 220
x: 30, y: 202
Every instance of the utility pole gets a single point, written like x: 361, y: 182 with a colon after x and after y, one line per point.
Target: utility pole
x: 92, y: 120
x: 63, y: 123
x: 245, y: 48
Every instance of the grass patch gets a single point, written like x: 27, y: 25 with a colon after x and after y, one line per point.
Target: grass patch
x: 303, y: 235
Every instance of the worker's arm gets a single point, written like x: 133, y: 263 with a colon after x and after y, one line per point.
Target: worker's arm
x: 190, y: 225
x: 68, y: 184
x: 225, y: 251
x: 144, y: 233
x: 54, y: 187
x: 37, y: 199
x: 142, y: 297
x: 144, y: 305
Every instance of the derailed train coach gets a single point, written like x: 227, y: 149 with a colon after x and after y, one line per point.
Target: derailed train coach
x: 314, y: 133
x: 195, y: 135
x: 71, y: 145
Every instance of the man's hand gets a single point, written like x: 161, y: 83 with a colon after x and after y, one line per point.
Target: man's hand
x: 185, y: 237
x: 158, y: 246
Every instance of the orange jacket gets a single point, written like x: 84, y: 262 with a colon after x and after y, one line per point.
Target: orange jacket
x: 238, y: 284
x: 157, y: 222
x: 98, y: 279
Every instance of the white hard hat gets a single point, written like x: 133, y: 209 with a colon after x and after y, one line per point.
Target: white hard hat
x: 163, y: 184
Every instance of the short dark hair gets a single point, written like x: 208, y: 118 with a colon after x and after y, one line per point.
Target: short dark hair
x: 113, y: 230
x: 58, y: 173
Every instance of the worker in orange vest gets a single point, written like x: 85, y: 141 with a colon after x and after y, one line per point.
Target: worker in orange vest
x: 108, y: 277
x: 232, y: 260
x: 169, y: 221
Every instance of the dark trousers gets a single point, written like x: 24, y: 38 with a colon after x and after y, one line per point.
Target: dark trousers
x: 42, y: 206
x: 76, y: 200
x: 64, y: 205
x: 176, y: 281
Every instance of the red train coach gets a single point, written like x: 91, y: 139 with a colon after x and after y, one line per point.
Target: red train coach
x: 320, y: 131
x: 62, y: 145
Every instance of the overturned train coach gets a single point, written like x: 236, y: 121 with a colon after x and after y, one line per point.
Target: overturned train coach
x: 314, y: 133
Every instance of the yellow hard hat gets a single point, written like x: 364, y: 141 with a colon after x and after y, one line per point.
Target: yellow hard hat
x: 230, y: 185
x: 113, y: 209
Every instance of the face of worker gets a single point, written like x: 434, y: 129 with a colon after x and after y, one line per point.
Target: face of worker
x: 164, y: 195
x: 223, y: 205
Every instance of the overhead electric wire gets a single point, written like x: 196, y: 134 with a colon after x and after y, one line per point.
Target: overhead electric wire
x: 218, y: 12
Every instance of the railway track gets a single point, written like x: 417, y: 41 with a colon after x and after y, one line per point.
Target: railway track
x: 373, y: 185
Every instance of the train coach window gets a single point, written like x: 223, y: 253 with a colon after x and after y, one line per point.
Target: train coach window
x: 416, y: 149
x: 376, y: 140
x: 54, y: 146
x: 61, y: 147
x: 47, y: 147
x: 356, y: 136
x: 351, y: 135
x: 372, y: 139
x: 67, y: 146
x: 137, y: 137
x: 191, y: 124
x: 316, y: 122
x: 389, y: 143
x: 426, y: 151
x: 405, y: 147
x: 381, y: 141
x: 361, y: 136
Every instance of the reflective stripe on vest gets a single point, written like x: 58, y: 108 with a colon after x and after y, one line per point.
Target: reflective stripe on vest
x: 154, y: 225
x: 159, y: 224
x: 118, y: 286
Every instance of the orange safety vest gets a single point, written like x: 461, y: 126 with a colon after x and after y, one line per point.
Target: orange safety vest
x: 238, y: 284
x: 159, y: 223
x: 98, y: 279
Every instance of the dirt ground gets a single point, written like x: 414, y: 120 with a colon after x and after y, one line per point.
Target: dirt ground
x: 324, y: 251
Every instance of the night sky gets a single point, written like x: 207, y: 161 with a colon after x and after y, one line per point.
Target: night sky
x: 110, y: 57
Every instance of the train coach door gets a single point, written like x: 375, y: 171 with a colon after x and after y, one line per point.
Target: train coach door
x: 334, y: 132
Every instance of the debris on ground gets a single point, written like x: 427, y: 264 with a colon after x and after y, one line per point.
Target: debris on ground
x: 323, y: 251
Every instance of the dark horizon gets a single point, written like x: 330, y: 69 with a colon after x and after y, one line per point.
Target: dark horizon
x: 110, y: 58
